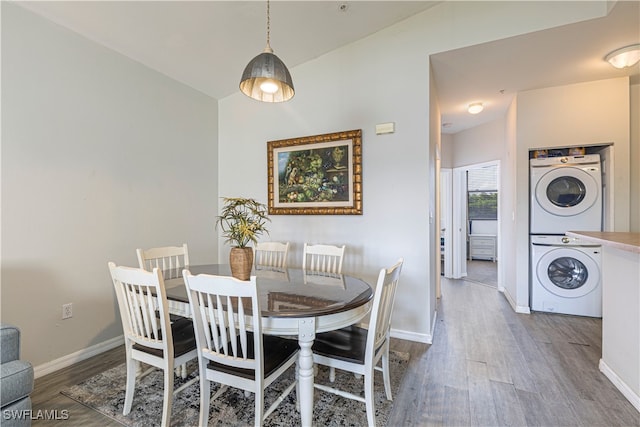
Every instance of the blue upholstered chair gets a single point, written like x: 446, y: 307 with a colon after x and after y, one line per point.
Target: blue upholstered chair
x: 16, y: 380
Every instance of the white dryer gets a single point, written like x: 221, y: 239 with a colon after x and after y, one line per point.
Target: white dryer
x: 565, y: 276
x: 566, y: 194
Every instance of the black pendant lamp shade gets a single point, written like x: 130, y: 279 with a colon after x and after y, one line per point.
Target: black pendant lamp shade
x: 266, y: 78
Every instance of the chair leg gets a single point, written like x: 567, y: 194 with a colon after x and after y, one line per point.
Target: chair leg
x: 168, y: 396
x: 205, y: 396
x: 385, y: 374
x: 259, y: 405
x: 132, y: 370
x: 298, y: 388
x: 368, y: 397
x: 332, y: 374
x: 183, y: 368
x: 181, y: 371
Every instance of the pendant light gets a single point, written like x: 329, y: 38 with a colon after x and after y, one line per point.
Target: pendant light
x: 266, y: 78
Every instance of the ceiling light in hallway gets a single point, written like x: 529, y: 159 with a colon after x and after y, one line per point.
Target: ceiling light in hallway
x: 624, y: 57
x: 475, y: 108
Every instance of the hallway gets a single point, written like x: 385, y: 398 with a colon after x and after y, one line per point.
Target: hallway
x: 489, y: 366
x: 485, y: 272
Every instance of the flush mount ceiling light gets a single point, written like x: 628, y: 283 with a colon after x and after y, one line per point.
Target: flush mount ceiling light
x: 266, y: 78
x: 624, y: 57
x: 475, y: 108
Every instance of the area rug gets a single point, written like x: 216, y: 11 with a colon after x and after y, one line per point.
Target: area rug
x: 105, y: 393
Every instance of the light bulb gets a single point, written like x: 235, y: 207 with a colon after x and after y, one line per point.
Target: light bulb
x: 475, y: 108
x: 268, y: 86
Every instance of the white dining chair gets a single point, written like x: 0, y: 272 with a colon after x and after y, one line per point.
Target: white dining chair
x: 359, y: 350
x: 149, y: 336
x: 271, y: 255
x: 323, y: 258
x: 231, y: 347
x: 171, y: 260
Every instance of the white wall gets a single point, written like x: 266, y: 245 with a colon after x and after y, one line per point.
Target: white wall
x: 100, y: 155
x: 635, y: 158
x: 509, y: 210
x: 395, y: 179
x: 433, y: 166
x: 447, y: 150
x: 573, y: 115
x: 481, y: 144
x: 382, y: 78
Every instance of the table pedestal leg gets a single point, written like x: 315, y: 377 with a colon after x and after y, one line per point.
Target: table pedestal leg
x: 306, y: 335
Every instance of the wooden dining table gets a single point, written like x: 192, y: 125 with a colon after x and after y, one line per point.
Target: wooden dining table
x: 294, y: 302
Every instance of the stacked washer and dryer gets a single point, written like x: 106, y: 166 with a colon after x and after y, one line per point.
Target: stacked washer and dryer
x: 566, y: 195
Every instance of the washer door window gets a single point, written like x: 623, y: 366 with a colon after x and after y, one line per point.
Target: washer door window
x: 566, y: 191
x: 568, y: 273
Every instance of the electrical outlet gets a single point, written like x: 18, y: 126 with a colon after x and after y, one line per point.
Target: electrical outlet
x: 67, y: 310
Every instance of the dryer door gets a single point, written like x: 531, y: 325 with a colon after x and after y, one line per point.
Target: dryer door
x: 568, y: 272
x: 566, y: 191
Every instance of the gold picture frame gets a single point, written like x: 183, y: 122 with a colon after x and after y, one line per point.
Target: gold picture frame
x: 316, y: 175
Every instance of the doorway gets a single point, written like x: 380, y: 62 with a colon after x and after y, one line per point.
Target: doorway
x: 482, y: 223
x: 470, y: 222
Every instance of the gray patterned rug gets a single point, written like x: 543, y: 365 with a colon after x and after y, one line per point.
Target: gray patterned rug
x: 105, y: 393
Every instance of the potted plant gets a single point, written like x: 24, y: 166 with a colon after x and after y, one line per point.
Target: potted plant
x: 242, y: 221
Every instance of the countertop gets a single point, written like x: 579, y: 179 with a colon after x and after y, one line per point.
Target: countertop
x: 620, y: 240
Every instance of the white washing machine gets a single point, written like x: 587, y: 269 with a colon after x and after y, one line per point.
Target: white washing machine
x: 565, y: 276
x: 566, y: 194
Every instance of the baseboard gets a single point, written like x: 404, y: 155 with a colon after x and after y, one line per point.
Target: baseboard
x: 411, y: 336
x: 416, y: 337
x: 433, y: 326
x: 70, y: 359
x: 620, y: 385
x: 523, y: 309
x: 517, y: 308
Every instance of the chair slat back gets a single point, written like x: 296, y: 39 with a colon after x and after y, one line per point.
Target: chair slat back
x: 143, y: 306
x: 323, y: 258
x: 383, y: 299
x: 171, y: 260
x: 271, y: 255
x: 224, y: 309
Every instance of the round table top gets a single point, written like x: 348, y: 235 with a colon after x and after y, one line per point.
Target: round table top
x: 292, y: 292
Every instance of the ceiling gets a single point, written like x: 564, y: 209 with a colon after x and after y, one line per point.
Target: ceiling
x: 206, y: 44
x: 492, y: 73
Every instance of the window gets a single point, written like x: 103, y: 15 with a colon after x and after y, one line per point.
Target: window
x: 482, y: 193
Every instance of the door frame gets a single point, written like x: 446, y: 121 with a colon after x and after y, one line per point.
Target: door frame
x: 459, y: 219
x: 446, y: 214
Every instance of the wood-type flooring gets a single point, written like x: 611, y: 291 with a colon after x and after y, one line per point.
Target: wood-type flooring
x: 487, y: 366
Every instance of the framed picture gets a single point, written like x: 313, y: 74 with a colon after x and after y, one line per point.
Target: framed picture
x: 316, y: 175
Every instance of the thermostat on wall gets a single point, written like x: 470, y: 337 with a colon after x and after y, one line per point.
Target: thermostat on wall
x: 385, y: 128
